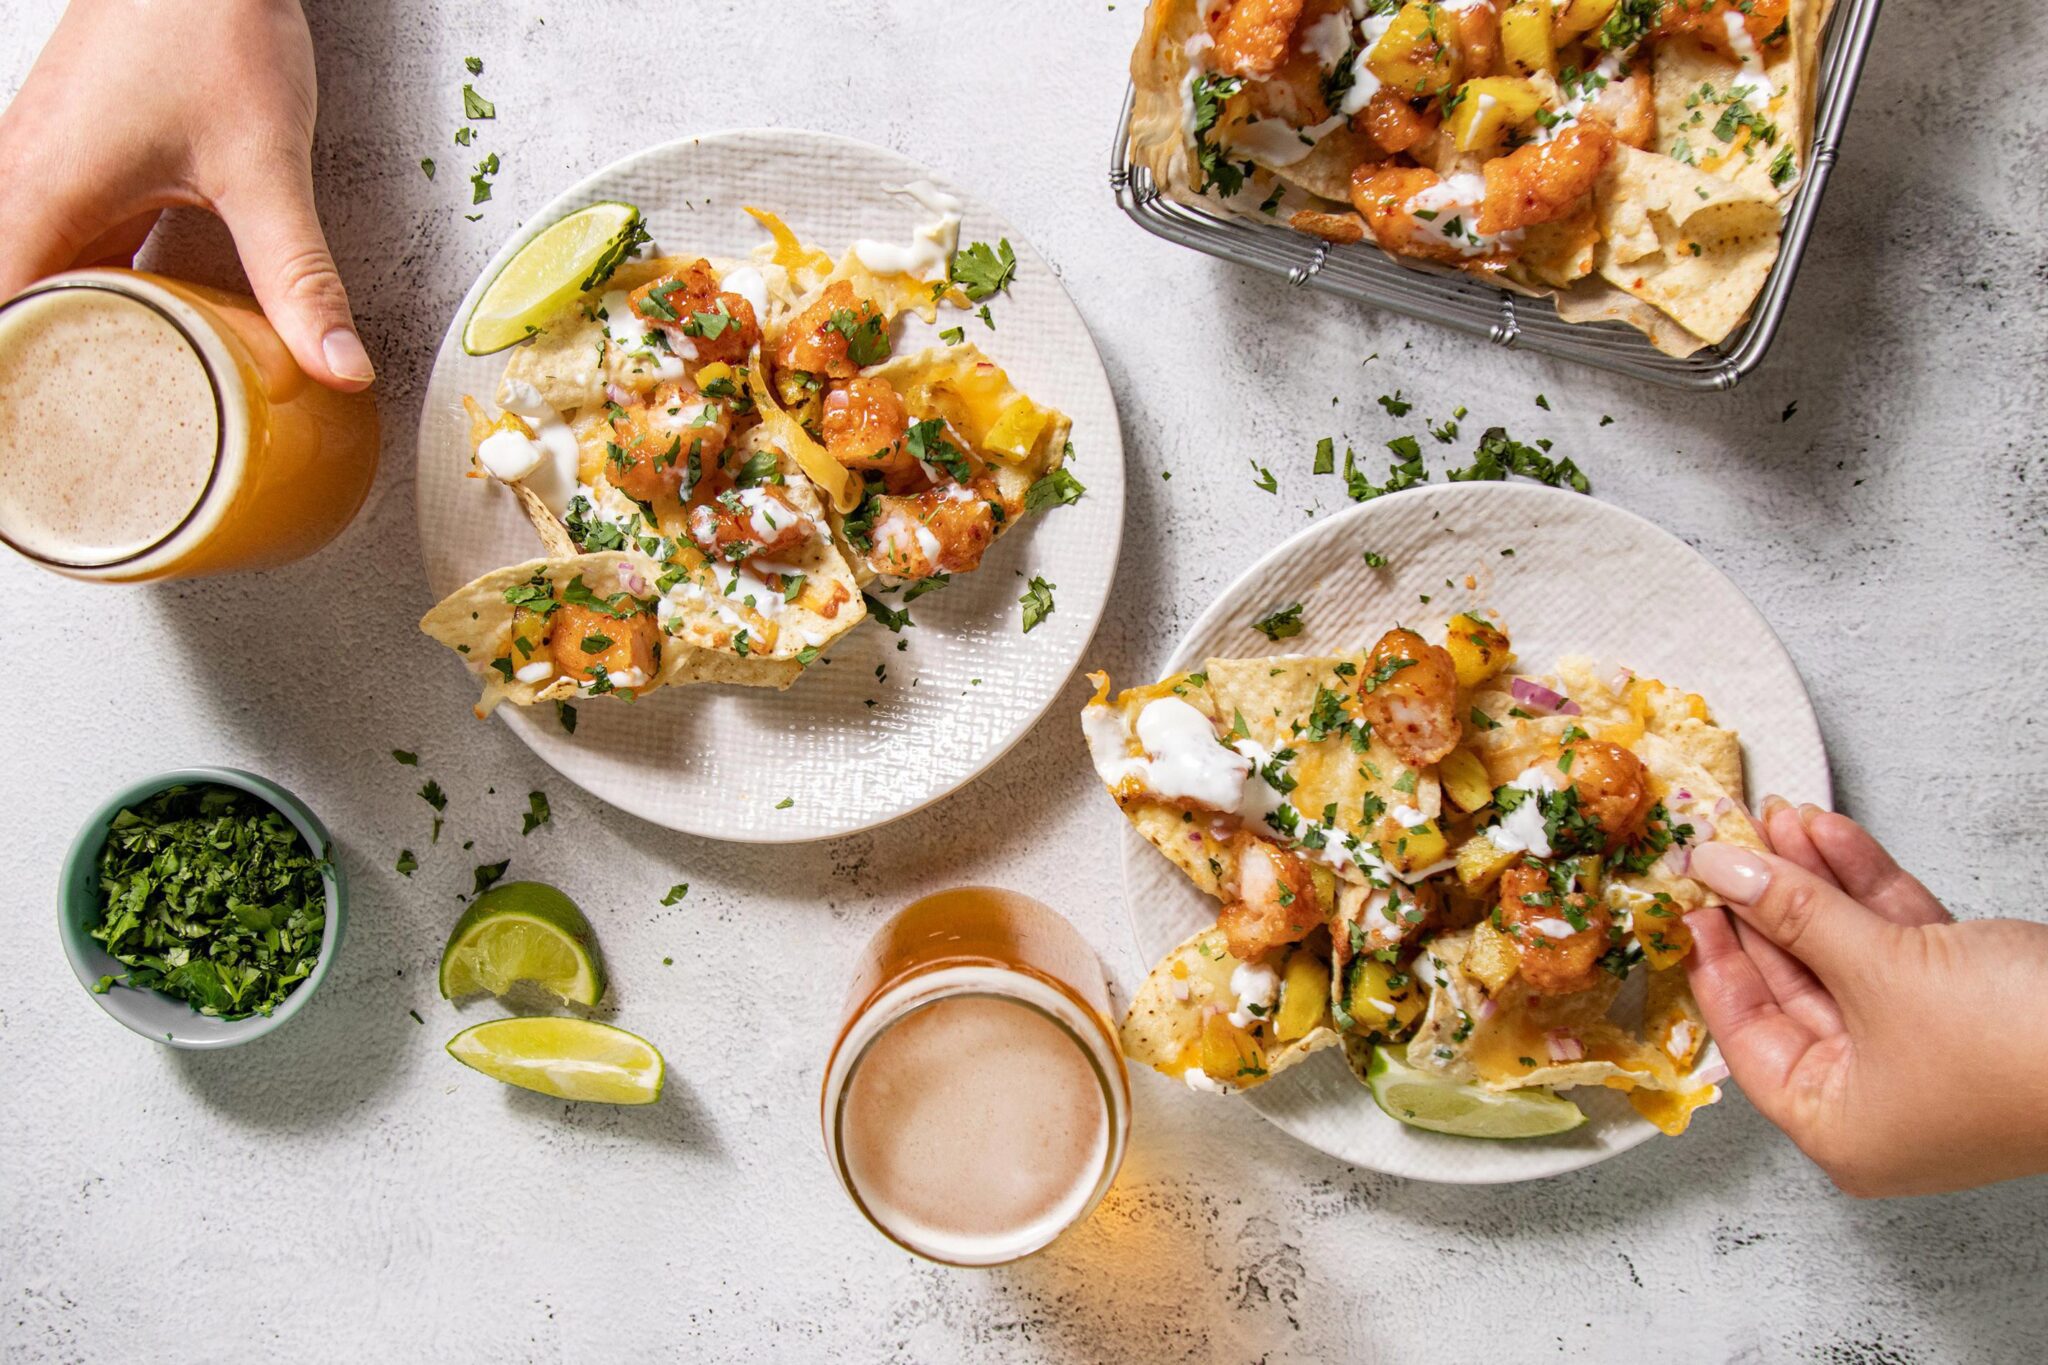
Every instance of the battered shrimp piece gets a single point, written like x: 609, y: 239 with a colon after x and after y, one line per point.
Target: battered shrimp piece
x: 863, y: 424
x: 736, y: 524
x: 719, y: 325
x: 1628, y: 107
x: 1613, y: 787
x: 941, y: 530
x: 1385, y: 195
x: 1252, y: 35
x: 583, y: 639
x: 1475, y: 32
x: 1408, y: 689
x: 1545, y: 181
x: 1276, y: 900
x: 652, y: 443
x: 1707, y: 21
x: 818, y: 345
x: 1331, y: 227
x: 1393, y: 123
x: 1556, y: 958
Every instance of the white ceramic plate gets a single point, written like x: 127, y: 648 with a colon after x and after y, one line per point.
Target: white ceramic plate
x: 1584, y: 578
x: 847, y: 749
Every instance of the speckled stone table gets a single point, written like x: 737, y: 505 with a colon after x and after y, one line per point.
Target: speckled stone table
x: 342, y: 1190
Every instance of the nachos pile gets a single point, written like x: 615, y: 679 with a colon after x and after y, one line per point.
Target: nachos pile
x: 720, y: 457
x: 1418, y: 850
x: 1631, y: 158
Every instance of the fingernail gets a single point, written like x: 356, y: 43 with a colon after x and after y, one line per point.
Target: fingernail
x: 1809, y: 812
x: 1733, y: 873
x: 1775, y: 803
x: 346, y: 356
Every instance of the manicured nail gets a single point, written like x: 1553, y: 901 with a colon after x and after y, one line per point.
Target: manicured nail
x: 1733, y: 873
x: 1775, y: 803
x: 1809, y: 812
x: 346, y: 356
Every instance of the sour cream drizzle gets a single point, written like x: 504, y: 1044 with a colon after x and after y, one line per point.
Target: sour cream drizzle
x: 930, y: 253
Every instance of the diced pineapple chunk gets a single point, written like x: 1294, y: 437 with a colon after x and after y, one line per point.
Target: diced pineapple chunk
x: 1488, y: 107
x: 1464, y: 780
x: 1414, y: 55
x: 1492, y: 957
x: 1015, y: 434
x: 1525, y: 43
x: 529, y: 639
x: 1590, y: 867
x: 1375, y: 1002
x: 1325, y: 882
x: 1480, y: 862
x: 1416, y: 847
x: 1662, y: 932
x: 1574, y: 17
x: 1478, y: 649
x: 1304, y: 995
x: 1229, y: 1054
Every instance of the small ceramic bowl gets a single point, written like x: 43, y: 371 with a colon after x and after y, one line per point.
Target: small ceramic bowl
x: 158, y: 1017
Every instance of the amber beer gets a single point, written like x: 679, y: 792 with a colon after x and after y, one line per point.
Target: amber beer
x: 976, y: 1103
x: 151, y: 428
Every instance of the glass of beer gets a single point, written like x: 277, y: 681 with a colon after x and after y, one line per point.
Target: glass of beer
x: 976, y: 1103
x: 151, y: 428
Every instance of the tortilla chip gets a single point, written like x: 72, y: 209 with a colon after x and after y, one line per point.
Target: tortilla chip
x: 1694, y: 246
x: 977, y: 398
x: 1163, y: 1028
x: 1690, y: 87
x: 1161, y: 138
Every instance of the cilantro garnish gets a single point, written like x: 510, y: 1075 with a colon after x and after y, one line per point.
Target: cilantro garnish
x: 407, y: 864
x: 676, y: 893
x: 895, y: 620
x: 1057, y: 489
x: 212, y: 897
x: 475, y: 106
x: 488, y: 875
x: 867, y: 339
x: 1265, y: 479
x: 566, y: 714
x: 983, y: 271
x: 537, y: 813
x: 1281, y: 624
x: 1037, y: 602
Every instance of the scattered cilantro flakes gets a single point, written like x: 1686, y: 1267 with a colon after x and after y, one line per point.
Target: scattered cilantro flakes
x: 889, y: 616
x: 212, y: 897
x: 1499, y: 455
x: 923, y: 586
x: 1374, y: 560
x: 407, y: 864
x: 1395, y: 405
x: 416, y: 1018
x: 1605, y: 420
x: 1791, y: 409
x: 1265, y: 479
x: 566, y: 714
x: 407, y: 757
x: 474, y: 65
x: 1057, y: 489
x: 1326, y: 456
x: 427, y: 166
x: 1543, y: 402
x: 475, y: 106
x: 537, y: 813
x: 953, y: 336
x: 489, y: 874
x: 1281, y: 624
x: 785, y: 803
x: 676, y: 893
x: 983, y: 271
x: 1037, y: 602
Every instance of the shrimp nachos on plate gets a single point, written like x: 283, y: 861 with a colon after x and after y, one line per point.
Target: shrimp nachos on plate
x: 1470, y: 879
x: 1631, y: 159
x: 722, y: 458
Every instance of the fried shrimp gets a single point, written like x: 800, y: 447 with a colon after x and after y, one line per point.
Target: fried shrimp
x: 1628, y: 106
x: 1544, y: 181
x: 1276, y: 900
x: 941, y: 530
x: 1393, y: 123
x: 1252, y: 35
x: 582, y: 640
x: 864, y: 423
x: 1409, y: 691
x: 719, y: 325
x: 654, y: 445
x: 819, y: 340
x: 1713, y: 23
x: 1561, y: 937
x: 1613, y: 787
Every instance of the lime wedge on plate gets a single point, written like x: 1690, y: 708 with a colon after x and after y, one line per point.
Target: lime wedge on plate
x: 547, y: 273
x: 523, y: 931
x: 1422, y: 1100
x: 571, y: 1059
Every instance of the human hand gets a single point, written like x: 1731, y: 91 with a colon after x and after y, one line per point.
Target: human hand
x: 1903, y: 1052
x: 212, y: 106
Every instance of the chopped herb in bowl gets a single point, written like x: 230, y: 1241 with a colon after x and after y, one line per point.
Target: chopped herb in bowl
x: 210, y: 895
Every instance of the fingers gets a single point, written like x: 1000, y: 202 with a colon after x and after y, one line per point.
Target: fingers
x: 1794, y: 986
x: 1868, y: 873
x: 1763, y: 1043
x: 1787, y: 836
x: 118, y: 244
x: 277, y: 231
x: 1809, y: 918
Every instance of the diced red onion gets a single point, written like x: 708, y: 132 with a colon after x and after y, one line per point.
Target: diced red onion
x: 1541, y: 700
x: 630, y: 577
x: 1195, y: 836
x: 1564, y: 1045
x: 621, y: 396
x: 1485, y: 1009
x: 1684, y: 794
x: 1702, y: 830
x: 1724, y: 805
x: 1676, y: 859
x: 1623, y: 676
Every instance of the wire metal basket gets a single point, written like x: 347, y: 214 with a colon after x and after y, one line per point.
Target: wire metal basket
x: 1365, y: 274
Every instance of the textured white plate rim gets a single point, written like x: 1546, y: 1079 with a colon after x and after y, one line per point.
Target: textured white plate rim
x: 1138, y: 853
x: 1105, y: 489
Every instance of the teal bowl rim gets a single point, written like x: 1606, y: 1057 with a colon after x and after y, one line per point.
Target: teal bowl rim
x: 78, y: 903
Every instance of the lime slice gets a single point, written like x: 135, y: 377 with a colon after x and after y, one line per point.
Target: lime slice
x: 548, y: 273
x: 523, y: 931
x: 1422, y: 1100
x: 571, y: 1059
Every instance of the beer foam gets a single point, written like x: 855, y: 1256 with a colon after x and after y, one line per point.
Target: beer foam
x: 108, y: 426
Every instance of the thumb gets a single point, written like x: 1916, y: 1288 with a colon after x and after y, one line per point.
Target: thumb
x: 277, y: 231
x: 1815, y: 921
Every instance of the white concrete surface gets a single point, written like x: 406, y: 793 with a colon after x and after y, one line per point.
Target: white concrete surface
x: 344, y: 1191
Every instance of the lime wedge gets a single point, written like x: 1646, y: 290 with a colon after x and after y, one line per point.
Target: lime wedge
x: 523, y: 931
x: 571, y: 1059
x: 548, y: 273
x: 1422, y: 1100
